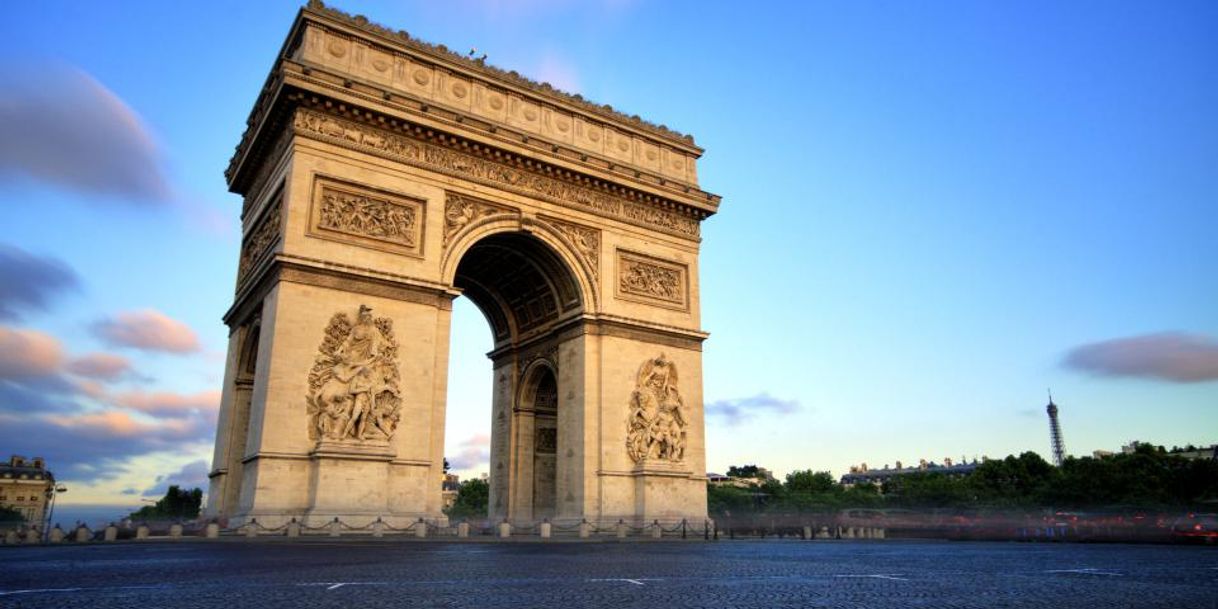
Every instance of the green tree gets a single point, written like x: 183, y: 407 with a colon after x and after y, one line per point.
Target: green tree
x: 808, y: 481
x: 473, y: 497
x: 743, y: 471
x: 177, y: 503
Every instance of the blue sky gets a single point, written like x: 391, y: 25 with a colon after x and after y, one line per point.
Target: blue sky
x: 932, y: 212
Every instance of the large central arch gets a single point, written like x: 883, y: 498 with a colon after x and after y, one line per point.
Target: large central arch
x: 383, y: 178
x: 527, y: 293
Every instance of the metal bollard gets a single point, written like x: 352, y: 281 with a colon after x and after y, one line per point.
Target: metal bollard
x: 212, y: 531
x: 83, y: 534
x: 175, y: 530
x: 57, y: 535
x: 141, y: 532
x: 657, y: 532
x: 251, y: 528
x: 378, y: 528
x: 546, y: 529
x: 585, y: 530
x: 621, y: 529
x: 420, y: 529
x: 336, y: 528
x: 111, y: 533
x: 808, y: 533
x: 293, y: 528
x: 505, y: 530
x: 463, y: 530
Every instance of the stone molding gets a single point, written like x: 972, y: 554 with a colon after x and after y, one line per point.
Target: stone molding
x: 530, y: 179
x: 651, y: 280
x: 368, y: 217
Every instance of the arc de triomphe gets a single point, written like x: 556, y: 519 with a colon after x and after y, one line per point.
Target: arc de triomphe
x: 382, y: 178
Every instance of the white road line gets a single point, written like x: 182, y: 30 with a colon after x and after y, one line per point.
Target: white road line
x: 895, y: 577
x: 1085, y: 571
x: 36, y: 590
x: 637, y: 582
x: 337, y: 585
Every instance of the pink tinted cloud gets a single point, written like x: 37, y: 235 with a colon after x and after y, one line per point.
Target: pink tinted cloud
x: 28, y: 353
x: 101, y: 366
x: 1171, y: 356
x: 148, y: 330
x: 170, y: 404
x: 475, y: 451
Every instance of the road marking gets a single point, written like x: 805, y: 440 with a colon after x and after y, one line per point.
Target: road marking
x: 637, y: 582
x: 337, y: 585
x: 35, y: 590
x: 1085, y: 571
x: 895, y: 576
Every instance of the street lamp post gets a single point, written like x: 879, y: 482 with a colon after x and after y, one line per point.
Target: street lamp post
x: 51, y: 492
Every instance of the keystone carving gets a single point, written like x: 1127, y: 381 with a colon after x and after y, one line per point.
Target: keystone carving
x: 656, y: 429
x: 353, y: 386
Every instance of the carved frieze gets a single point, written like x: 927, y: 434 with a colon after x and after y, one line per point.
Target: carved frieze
x: 461, y: 210
x: 656, y: 429
x: 353, y: 386
x: 261, y: 238
x: 501, y: 175
x: 372, y: 218
x: 651, y: 280
x: 587, y: 242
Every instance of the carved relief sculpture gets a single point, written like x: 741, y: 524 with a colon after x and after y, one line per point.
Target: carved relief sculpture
x: 587, y: 242
x: 656, y: 430
x: 368, y: 217
x: 460, y: 211
x: 651, y: 279
x: 260, y: 239
x: 353, y: 386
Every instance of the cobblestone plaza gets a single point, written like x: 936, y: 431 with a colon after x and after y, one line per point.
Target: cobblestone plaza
x: 775, y: 573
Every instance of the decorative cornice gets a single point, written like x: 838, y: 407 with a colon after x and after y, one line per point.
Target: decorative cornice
x: 440, y: 51
x: 475, y: 162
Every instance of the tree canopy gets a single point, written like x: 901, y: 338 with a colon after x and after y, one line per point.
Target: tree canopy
x: 473, y: 497
x: 177, y: 504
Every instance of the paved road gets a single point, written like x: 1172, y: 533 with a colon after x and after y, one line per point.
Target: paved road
x: 234, y: 574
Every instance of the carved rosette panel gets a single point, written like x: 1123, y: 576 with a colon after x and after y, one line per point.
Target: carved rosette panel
x: 363, y: 216
x: 263, y: 236
x: 656, y: 429
x: 587, y: 242
x: 358, y: 136
x: 353, y: 386
x: 652, y: 280
x: 460, y: 211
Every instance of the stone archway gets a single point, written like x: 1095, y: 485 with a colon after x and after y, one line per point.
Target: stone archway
x: 382, y: 178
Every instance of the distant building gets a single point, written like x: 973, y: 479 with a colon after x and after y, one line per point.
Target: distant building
x: 861, y: 474
x: 450, y: 487
x: 1190, y: 452
x: 25, y: 485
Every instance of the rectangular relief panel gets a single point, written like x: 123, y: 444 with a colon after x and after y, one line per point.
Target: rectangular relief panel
x: 346, y: 212
x: 653, y: 281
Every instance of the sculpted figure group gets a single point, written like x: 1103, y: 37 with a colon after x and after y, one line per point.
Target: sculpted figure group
x: 353, y: 386
x: 657, y: 419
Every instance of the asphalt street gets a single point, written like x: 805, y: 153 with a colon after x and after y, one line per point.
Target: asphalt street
x: 368, y: 573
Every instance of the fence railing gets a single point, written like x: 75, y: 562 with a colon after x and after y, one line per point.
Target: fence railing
x: 423, y: 529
